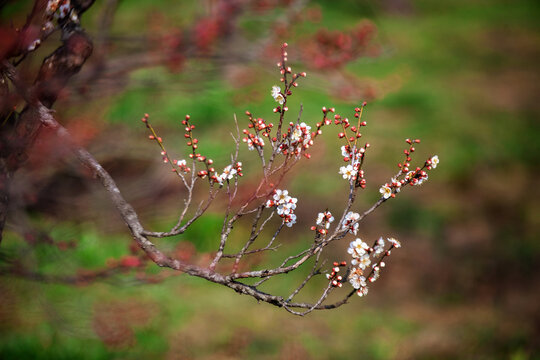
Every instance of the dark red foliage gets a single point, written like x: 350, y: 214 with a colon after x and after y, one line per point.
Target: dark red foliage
x: 334, y: 49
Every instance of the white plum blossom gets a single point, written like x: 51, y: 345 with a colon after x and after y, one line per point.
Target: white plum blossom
x: 228, y: 174
x: 434, y: 161
x: 362, y: 262
x: 362, y: 291
x: 277, y: 95
x: 285, y: 209
x: 290, y: 220
x: 347, y: 171
x: 325, y: 219
x: 281, y: 196
x: 385, y: 191
x: 351, y: 222
x: 356, y: 279
x: 358, y: 248
x: 395, y: 243
x: 285, y: 206
x: 359, y: 251
x: 379, y: 246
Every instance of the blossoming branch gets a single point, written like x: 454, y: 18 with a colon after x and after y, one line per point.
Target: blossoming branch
x: 286, y: 143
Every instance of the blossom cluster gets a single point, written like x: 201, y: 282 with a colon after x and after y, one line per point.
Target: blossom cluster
x: 298, y: 138
x: 350, y: 222
x: 335, y: 279
x: 362, y: 257
x: 261, y: 129
x: 406, y: 176
x: 285, y: 206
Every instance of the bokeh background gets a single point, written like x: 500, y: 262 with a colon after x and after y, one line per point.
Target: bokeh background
x: 461, y: 75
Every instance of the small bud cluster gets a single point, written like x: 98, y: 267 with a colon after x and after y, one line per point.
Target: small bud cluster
x: 323, y: 222
x: 335, y: 279
x: 177, y: 166
x: 351, y: 222
x: 285, y: 70
x: 261, y: 129
x: 406, y: 176
x: 285, y: 206
x: 351, y: 152
x: 180, y: 166
x: 363, y: 256
x: 193, y: 142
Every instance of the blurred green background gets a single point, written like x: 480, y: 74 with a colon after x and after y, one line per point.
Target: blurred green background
x: 461, y: 75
